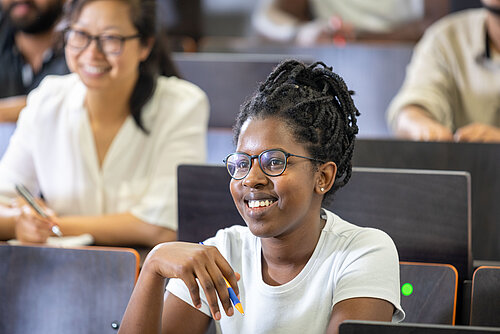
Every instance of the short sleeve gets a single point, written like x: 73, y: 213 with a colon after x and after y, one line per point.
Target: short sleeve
x: 370, y: 269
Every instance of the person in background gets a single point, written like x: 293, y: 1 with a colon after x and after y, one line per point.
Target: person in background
x: 296, y: 267
x: 452, y: 84
x: 101, y: 145
x: 29, y: 50
x: 309, y: 22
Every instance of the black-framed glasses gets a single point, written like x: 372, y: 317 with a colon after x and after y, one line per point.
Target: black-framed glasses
x: 272, y: 162
x: 108, y: 44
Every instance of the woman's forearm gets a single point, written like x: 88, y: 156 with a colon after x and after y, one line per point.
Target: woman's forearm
x: 122, y: 229
x: 144, y: 311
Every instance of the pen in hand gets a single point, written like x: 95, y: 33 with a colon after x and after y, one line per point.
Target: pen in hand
x: 28, y: 197
x: 234, y: 298
x: 232, y: 295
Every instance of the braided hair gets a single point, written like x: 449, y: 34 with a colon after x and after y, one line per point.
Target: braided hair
x: 317, y: 106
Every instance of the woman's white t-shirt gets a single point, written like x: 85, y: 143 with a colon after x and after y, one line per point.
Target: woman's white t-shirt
x: 348, y: 262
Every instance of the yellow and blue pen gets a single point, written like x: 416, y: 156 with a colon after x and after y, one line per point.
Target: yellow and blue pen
x: 232, y: 295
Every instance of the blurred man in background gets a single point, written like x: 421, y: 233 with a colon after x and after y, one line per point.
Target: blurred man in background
x: 452, y: 86
x: 28, y: 50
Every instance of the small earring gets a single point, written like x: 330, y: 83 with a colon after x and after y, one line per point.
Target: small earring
x: 322, y: 189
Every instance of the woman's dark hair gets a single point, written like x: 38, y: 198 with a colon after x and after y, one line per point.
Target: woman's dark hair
x: 159, y: 61
x: 317, y: 106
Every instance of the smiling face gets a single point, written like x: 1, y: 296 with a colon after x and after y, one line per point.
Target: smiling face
x: 276, y: 206
x: 96, y: 69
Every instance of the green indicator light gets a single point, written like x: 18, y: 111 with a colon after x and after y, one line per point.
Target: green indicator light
x: 407, y: 289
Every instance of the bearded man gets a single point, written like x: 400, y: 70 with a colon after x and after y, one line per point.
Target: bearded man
x: 28, y: 50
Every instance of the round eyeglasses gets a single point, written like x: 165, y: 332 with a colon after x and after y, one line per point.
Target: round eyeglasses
x: 108, y: 44
x: 272, y: 162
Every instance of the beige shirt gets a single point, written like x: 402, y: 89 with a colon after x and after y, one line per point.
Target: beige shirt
x: 451, y: 74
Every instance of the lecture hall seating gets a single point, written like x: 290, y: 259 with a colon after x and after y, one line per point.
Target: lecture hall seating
x: 429, y: 292
x: 485, y: 299
x: 481, y: 160
x: 51, y: 290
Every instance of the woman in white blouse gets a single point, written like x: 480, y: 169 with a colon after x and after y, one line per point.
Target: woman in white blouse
x: 101, y: 145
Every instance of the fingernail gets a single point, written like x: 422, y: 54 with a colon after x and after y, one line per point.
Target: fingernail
x: 230, y: 311
x: 217, y: 315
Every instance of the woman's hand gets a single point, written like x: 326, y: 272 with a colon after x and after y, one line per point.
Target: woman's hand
x: 191, y: 262
x: 30, y: 226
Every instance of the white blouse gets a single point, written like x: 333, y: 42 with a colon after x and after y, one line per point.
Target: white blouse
x: 53, y: 152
